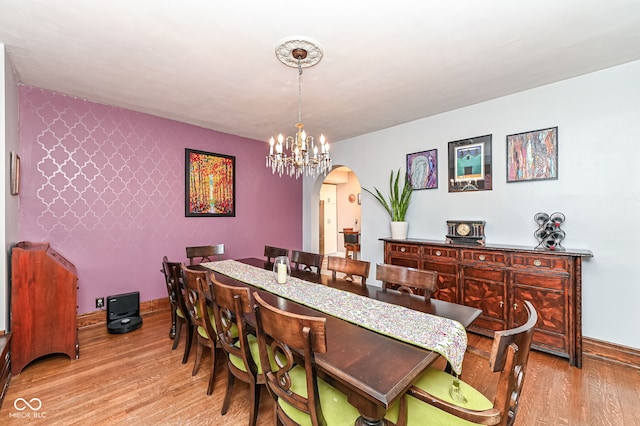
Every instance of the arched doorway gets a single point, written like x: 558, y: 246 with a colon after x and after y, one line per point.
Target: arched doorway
x: 339, y: 208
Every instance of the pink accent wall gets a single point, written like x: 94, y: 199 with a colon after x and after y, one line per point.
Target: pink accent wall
x: 105, y: 187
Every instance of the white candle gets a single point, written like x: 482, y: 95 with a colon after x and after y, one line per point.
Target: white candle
x: 282, y: 273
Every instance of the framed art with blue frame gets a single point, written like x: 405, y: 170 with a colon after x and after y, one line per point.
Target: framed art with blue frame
x: 422, y: 169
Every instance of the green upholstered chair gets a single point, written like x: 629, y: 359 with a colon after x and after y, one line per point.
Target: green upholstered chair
x: 200, y: 254
x: 230, y: 305
x: 196, y: 293
x: 349, y: 267
x: 301, y: 398
x: 409, y: 280
x: 307, y: 260
x: 435, y: 396
x: 179, y: 313
x: 271, y: 253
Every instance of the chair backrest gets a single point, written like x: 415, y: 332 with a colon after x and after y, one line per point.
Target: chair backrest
x: 408, y: 279
x: 196, y: 288
x: 351, y: 237
x: 173, y: 279
x: 199, y: 254
x: 509, y: 355
x: 308, y: 260
x: 349, y: 267
x: 272, y: 252
x: 230, y: 305
x: 288, y: 334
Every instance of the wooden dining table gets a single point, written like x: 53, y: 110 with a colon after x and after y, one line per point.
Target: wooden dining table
x: 372, y: 369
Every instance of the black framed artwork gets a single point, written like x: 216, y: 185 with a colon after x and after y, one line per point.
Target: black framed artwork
x: 470, y: 164
x: 532, y: 155
x: 210, y: 188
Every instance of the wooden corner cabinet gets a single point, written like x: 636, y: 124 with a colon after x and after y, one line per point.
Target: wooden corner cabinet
x: 498, y: 279
x: 43, y: 304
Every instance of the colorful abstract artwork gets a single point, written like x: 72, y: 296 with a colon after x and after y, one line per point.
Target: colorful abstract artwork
x: 532, y: 155
x: 210, y: 188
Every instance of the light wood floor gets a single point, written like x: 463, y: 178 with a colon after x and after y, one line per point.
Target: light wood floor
x: 136, y: 379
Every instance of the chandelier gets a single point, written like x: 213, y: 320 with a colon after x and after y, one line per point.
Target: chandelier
x: 299, y: 154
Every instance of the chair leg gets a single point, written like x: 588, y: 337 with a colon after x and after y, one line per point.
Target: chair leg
x: 212, y: 375
x: 176, y: 338
x: 196, y: 364
x: 254, y: 389
x: 188, y: 344
x: 172, y: 331
x: 227, y: 395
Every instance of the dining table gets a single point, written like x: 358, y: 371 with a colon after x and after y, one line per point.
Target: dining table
x: 371, y: 368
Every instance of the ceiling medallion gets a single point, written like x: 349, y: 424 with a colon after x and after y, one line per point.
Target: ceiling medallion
x: 286, y: 46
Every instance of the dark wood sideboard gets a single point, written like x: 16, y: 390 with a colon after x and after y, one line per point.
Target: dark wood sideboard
x: 497, y: 279
x: 43, y: 304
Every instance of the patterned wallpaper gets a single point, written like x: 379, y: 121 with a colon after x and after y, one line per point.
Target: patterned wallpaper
x: 105, y: 186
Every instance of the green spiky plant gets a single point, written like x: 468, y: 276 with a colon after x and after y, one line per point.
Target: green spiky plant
x: 398, y: 201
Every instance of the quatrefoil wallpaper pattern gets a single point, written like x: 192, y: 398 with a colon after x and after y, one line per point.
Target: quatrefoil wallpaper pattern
x: 105, y: 186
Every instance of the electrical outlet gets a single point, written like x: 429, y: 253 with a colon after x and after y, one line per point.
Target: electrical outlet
x: 99, y: 302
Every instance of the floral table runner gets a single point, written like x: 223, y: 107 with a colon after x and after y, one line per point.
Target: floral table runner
x: 442, y: 335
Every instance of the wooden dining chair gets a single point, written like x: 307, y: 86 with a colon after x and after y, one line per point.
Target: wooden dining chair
x: 301, y: 398
x: 272, y: 252
x: 179, y: 313
x: 230, y: 305
x: 409, y: 280
x: 200, y: 254
x: 349, y: 267
x: 196, y: 289
x: 446, y: 400
x: 351, y: 242
x: 307, y: 260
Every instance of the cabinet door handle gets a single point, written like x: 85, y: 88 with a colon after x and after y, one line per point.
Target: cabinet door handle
x: 438, y: 253
x: 501, y: 303
x: 402, y: 249
x: 482, y: 257
x: 515, y: 306
x: 537, y: 262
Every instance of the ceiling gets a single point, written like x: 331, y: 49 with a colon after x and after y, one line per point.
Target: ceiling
x: 212, y: 63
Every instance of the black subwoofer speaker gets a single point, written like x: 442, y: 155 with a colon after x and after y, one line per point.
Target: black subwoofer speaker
x: 123, y: 312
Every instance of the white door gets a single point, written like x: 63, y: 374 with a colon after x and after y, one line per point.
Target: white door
x: 328, y: 195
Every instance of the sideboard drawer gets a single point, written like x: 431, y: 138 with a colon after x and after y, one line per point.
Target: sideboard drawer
x: 404, y: 249
x: 484, y: 256
x: 540, y: 262
x: 440, y: 252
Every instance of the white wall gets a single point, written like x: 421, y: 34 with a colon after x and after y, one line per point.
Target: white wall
x: 9, y: 142
x: 598, y: 119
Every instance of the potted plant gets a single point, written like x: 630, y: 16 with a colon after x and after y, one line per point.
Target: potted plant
x: 396, y: 205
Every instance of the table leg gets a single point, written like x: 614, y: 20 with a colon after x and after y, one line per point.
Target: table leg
x: 370, y: 422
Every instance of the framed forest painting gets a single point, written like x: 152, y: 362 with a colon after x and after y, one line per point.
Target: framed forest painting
x: 210, y: 188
